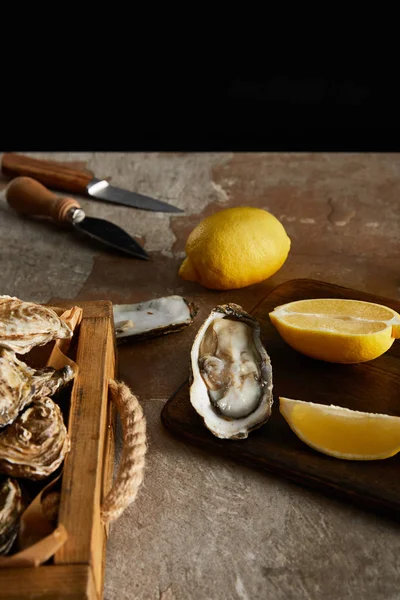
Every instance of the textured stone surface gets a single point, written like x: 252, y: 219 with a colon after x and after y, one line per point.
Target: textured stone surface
x: 202, y: 527
x: 205, y: 528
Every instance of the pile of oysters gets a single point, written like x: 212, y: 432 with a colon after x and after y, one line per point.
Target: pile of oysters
x: 33, y: 437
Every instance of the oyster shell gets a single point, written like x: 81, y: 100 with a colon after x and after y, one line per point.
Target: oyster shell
x: 36, y: 443
x: 146, y: 320
x: 11, y: 508
x: 231, y: 373
x: 24, y: 325
x: 20, y: 384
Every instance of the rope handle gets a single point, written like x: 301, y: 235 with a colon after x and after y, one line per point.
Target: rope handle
x: 131, y: 468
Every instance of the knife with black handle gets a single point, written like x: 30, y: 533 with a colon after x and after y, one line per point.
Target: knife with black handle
x: 69, y: 179
x: 27, y: 196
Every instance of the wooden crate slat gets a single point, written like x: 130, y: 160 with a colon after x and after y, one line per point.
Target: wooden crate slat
x: 67, y: 582
x: 81, y: 495
x: 97, y: 309
x: 90, y: 430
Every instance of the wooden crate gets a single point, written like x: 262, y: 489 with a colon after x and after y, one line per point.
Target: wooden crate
x: 77, y: 569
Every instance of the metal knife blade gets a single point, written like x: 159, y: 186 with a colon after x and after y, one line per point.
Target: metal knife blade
x: 101, y: 189
x: 110, y: 234
x: 27, y: 196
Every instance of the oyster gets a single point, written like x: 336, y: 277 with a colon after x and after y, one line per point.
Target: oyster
x: 20, y: 385
x: 36, y: 443
x: 231, y: 373
x: 24, y: 325
x: 146, y: 320
x: 11, y: 508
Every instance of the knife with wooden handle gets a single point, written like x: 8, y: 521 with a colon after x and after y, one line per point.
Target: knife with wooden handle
x: 69, y: 179
x: 27, y: 196
x: 49, y: 173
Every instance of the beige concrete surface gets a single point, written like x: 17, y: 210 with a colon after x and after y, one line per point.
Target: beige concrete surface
x: 204, y: 528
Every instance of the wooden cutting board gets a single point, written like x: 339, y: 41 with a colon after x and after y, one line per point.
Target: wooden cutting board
x: 371, y: 387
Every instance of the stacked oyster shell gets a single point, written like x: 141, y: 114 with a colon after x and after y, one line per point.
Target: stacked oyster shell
x: 33, y: 436
x: 11, y: 507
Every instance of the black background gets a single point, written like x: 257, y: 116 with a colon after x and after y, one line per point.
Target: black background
x: 203, y: 110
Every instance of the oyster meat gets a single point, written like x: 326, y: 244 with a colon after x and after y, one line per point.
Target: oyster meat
x: 36, y: 443
x: 231, y: 373
x: 146, y: 320
x: 20, y: 384
x: 11, y: 508
x: 24, y: 325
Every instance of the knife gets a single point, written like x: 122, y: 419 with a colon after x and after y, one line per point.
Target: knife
x: 29, y: 197
x: 73, y: 180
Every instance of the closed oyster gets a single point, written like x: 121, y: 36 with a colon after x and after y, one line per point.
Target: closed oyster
x: 231, y: 373
x: 24, y: 325
x: 11, y: 508
x: 20, y: 385
x: 36, y: 443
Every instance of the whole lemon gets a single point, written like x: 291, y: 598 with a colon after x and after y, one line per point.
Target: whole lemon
x: 234, y: 248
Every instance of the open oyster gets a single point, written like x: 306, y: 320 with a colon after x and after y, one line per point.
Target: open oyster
x: 152, y: 318
x: 20, y: 385
x: 35, y: 444
x: 231, y: 373
x: 11, y: 508
x: 24, y: 325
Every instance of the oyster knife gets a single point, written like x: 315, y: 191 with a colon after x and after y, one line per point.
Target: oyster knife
x: 69, y: 179
x: 28, y: 196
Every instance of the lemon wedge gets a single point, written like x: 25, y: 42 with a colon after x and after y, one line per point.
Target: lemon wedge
x: 337, y: 330
x: 341, y: 432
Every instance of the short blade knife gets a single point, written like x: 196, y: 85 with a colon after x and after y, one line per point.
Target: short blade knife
x: 27, y: 196
x: 69, y: 179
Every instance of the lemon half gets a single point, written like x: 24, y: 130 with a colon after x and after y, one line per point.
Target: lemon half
x: 337, y: 330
